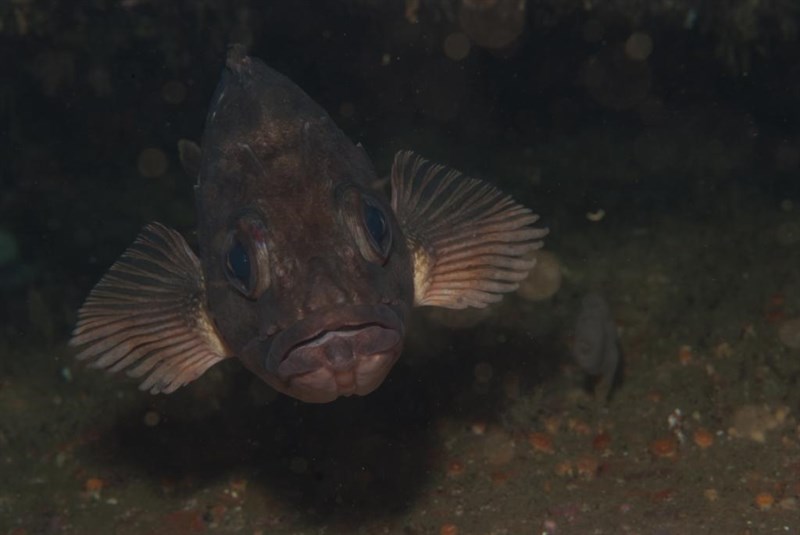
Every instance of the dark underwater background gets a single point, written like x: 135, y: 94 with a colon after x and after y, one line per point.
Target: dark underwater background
x: 660, y: 142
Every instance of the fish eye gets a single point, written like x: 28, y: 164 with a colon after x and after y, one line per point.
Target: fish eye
x: 369, y: 223
x: 372, y: 231
x: 246, y: 258
x: 376, y: 225
x: 238, y: 263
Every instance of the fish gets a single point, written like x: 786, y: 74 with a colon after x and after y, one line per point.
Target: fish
x: 304, y: 272
x: 595, y: 345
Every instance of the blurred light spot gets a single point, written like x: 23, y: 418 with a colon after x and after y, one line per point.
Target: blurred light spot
x: 596, y: 216
x: 456, y: 46
x: 493, y: 24
x: 593, y: 31
x: 173, y: 92
x: 411, y: 11
x: 152, y: 162
x: 638, y: 46
x: 788, y: 234
x: 152, y: 418
x: 691, y: 19
x: 483, y: 372
x: 9, y: 250
x: 789, y: 333
x: 66, y: 374
x: 544, y: 280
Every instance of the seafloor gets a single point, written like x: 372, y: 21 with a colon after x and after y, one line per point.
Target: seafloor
x: 482, y: 430
x: 662, y: 150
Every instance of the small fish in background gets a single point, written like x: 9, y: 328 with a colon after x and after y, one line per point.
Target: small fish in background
x: 596, y: 344
x: 305, y: 272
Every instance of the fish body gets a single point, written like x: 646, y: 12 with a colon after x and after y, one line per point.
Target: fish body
x: 596, y: 343
x: 305, y: 273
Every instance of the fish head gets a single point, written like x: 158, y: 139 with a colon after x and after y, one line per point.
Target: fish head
x: 308, y: 276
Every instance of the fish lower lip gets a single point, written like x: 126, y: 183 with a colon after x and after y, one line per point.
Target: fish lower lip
x: 337, y: 337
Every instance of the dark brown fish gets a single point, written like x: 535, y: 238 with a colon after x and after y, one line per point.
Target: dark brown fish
x: 596, y: 343
x: 305, y: 273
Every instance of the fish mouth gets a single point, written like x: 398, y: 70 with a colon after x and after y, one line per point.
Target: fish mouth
x: 340, y: 352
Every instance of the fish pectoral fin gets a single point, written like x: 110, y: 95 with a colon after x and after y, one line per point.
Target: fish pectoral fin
x: 148, y: 315
x: 468, y: 239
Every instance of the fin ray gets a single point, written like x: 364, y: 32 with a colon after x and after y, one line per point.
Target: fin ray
x: 469, y: 240
x: 148, y: 315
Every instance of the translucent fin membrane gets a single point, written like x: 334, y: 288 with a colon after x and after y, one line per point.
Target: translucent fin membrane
x: 147, y: 315
x: 468, y: 238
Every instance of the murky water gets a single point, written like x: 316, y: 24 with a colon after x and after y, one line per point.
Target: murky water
x: 659, y: 143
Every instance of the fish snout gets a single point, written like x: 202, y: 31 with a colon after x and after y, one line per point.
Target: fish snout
x: 322, y: 291
x: 341, y: 352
